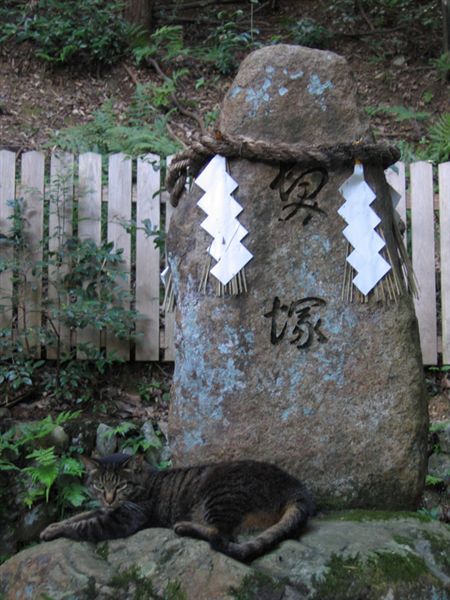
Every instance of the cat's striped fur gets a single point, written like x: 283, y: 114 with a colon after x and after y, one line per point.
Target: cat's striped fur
x: 213, y: 502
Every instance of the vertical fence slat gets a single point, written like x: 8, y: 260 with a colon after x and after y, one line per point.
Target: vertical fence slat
x: 147, y: 259
x: 7, y: 192
x: 32, y: 192
x: 89, y: 225
x: 169, y: 316
x: 423, y: 258
x: 444, y: 221
x: 60, y: 230
x: 119, y: 213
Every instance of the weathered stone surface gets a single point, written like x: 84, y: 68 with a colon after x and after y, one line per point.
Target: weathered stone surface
x: 347, y: 412
x: 357, y: 555
x: 106, y: 440
x: 294, y: 95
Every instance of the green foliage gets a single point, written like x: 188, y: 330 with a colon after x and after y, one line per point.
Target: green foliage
x: 85, y: 281
x: 154, y: 390
x: 390, y: 13
x: 432, y: 481
x: 307, y: 32
x: 401, y: 113
x: 133, y: 441
x: 43, y: 472
x: 133, y: 136
x: 442, y: 65
x: 64, y: 32
x: 165, y: 43
x: 225, y: 44
x: 436, y: 427
x: 132, y: 584
x: 440, y: 138
x: 435, y: 146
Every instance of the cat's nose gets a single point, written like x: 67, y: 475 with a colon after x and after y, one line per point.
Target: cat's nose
x: 109, y: 497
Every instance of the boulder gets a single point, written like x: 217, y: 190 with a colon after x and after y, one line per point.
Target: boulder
x: 292, y: 372
x: 355, y: 555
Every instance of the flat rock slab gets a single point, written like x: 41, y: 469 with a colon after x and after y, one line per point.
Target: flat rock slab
x: 293, y: 372
x: 355, y: 555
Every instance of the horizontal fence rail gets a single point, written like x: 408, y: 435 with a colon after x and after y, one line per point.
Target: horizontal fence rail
x: 97, y: 206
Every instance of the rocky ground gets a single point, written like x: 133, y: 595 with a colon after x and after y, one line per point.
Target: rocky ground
x: 354, y: 555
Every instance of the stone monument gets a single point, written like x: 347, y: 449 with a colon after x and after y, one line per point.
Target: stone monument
x: 301, y: 369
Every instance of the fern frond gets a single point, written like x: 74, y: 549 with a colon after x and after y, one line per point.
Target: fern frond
x: 440, y: 138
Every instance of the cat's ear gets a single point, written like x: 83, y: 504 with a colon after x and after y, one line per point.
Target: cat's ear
x: 90, y: 464
x: 134, y: 463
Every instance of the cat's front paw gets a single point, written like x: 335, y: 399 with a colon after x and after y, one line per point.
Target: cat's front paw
x: 51, y: 532
x: 183, y: 528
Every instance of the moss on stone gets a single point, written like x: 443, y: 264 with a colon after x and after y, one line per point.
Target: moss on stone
x: 353, y: 577
x: 359, y: 515
x: 258, y: 585
x: 138, y: 587
x: 102, y: 550
x: 440, y: 549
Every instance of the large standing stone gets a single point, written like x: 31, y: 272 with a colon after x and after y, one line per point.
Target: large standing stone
x: 346, y: 411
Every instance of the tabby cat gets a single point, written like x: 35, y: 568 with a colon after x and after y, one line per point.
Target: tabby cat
x: 212, y: 502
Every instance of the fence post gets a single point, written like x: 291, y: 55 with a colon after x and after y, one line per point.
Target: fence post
x: 119, y: 214
x: 89, y: 224
x: 147, y: 258
x: 32, y: 191
x: 444, y: 221
x: 423, y: 257
x: 7, y: 193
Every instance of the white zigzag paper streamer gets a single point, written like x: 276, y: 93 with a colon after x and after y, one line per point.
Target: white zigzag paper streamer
x: 360, y: 232
x: 221, y: 222
x: 395, y: 196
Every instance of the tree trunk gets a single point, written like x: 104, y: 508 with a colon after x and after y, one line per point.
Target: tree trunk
x: 139, y: 12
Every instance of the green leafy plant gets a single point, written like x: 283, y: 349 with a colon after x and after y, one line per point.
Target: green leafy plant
x: 306, y: 32
x: 83, y: 288
x: 224, y: 45
x: 165, y: 43
x: 440, y: 139
x: 133, y: 440
x: 154, y: 390
x: 65, y: 33
x: 44, y: 472
x: 442, y: 65
x: 432, y: 481
x: 401, y: 113
x: 133, y: 136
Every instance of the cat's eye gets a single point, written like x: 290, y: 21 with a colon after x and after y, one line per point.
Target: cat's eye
x: 122, y: 486
x: 97, y: 486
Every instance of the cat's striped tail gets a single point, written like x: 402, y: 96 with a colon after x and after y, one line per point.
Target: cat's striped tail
x: 293, y: 519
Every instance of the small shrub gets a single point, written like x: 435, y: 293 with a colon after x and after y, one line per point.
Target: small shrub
x: 133, y: 137
x: 42, y: 471
x: 440, y: 138
x: 307, y: 32
x: 225, y: 43
x: 69, y: 32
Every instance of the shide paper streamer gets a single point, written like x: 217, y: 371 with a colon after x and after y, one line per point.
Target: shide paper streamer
x: 222, y: 224
x: 360, y: 232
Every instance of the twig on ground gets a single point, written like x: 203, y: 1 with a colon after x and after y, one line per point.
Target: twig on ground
x: 187, y: 113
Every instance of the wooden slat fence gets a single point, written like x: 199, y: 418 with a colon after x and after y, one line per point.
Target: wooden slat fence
x: 424, y: 207
x: 76, y: 188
